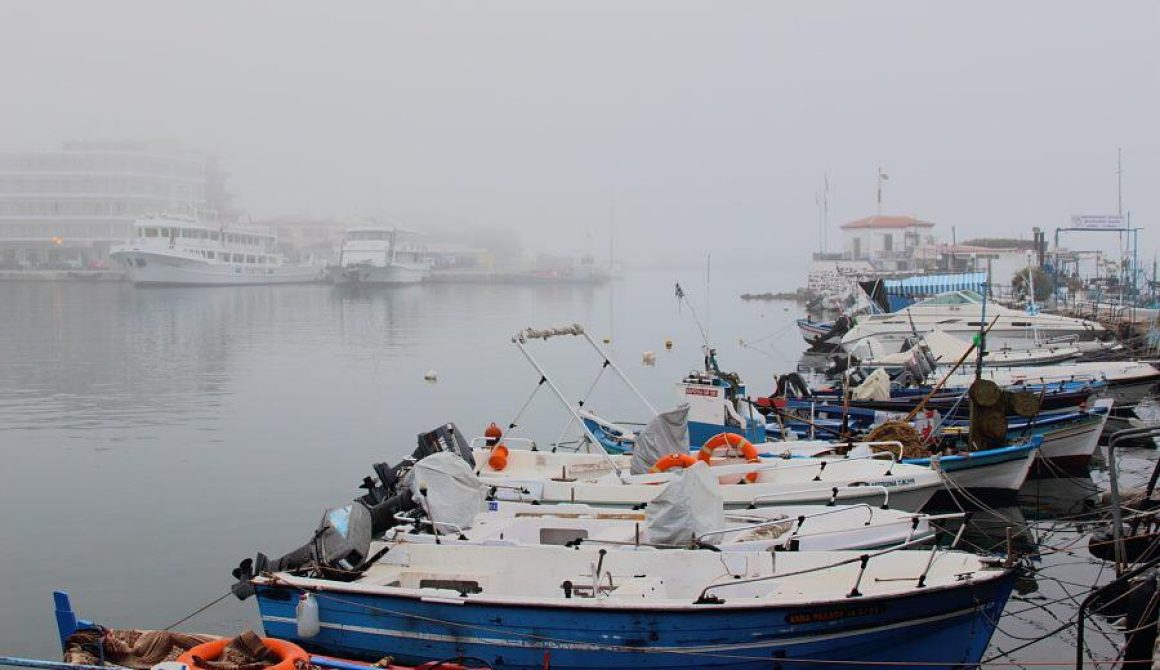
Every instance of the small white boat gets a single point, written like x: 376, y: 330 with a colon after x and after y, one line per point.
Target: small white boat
x: 960, y: 313
x: 378, y: 256
x: 790, y: 527
x: 605, y: 480
x: 171, y: 250
x: 589, y: 608
x: 1126, y: 381
x: 943, y: 350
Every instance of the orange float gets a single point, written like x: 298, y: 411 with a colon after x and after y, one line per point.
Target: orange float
x: 730, y: 442
x: 498, y: 458
x: 671, y: 461
x: 289, y: 654
x: 492, y: 434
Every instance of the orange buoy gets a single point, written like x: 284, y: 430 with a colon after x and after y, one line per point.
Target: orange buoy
x: 289, y: 654
x: 492, y: 434
x: 671, y: 461
x: 498, y: 458
x: 730, y: 442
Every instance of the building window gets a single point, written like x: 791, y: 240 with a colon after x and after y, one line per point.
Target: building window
x: 888, y: 243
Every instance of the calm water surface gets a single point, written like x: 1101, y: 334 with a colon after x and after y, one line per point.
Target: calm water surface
x: 153, y: 438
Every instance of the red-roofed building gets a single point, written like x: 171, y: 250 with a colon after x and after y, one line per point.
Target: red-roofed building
x: 888, y: 241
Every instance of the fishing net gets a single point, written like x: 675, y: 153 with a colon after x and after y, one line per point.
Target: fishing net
x: 130, y: 648
x: 898, y: 431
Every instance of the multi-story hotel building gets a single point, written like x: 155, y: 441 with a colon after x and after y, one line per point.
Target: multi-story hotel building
x: 66, y: 207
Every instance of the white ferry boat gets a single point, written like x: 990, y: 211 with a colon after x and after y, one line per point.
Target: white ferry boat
x: 169, y: 250
x: 380, y: 256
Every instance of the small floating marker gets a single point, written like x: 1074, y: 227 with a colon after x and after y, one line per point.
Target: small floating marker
x: 607, y: 340
x: 649, y: 358
x: 668, y: 344
x: 431, y: 376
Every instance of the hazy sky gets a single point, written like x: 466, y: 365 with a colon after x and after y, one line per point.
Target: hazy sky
x: 703, y: 126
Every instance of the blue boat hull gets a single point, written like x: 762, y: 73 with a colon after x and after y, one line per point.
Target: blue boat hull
x: 936, y: 628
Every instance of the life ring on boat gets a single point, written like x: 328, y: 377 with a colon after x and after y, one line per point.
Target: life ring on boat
x: 671, y: 461
x: 289, y: 654
x: 730, y: 441
x: 498, y: 458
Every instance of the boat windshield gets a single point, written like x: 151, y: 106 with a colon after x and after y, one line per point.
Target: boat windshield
x: 964, y: 297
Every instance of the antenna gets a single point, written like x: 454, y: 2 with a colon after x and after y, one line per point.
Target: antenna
x: 708, y: 301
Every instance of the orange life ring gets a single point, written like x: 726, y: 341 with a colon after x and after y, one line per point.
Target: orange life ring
x: 289, y: 654
x: 732, y: 441
x: 498, y: 458
x: 671, y: 461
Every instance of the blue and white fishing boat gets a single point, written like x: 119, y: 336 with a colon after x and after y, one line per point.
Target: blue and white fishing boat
x: 581, y: 608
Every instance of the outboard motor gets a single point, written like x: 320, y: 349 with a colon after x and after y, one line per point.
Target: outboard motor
x: 343, y: 537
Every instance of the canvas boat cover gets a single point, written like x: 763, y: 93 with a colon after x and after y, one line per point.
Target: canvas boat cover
x: 876, y: 387
x: 667, y: 433
x: 454, y: 495
x: 689, y: 506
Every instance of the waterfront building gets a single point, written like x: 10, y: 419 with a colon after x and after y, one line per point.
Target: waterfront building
x: 888, y: 242
x: 64, y: 208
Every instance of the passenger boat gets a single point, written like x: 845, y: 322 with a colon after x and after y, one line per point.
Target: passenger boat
x: 588, y: 608
x: 960, y: 313
x: 379, y: 256
x: 170, y: 250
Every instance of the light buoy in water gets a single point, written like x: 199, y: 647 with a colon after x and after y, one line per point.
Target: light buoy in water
x: 649, y: 358
x: 607, y: 340
x: 669, y: 344
x: 431, y: 376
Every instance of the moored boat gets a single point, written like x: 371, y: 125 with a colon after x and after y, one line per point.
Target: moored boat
x: 379, y: 256
x: 582, y: 607
x: 171, y: 250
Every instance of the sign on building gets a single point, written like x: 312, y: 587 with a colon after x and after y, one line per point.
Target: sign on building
x: 1099, y: 221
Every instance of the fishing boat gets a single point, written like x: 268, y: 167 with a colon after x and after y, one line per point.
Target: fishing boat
x: 586, y: 607
x: 784, y: 528
x: 1125, y: 382
x: 169, y: 250
x: 604, y: 480
x: 380, y: 256
x: 961, y: 314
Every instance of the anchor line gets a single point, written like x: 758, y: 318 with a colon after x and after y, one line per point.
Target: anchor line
x: 197, y: 611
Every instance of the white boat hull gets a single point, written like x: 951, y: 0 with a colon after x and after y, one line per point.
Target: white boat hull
x: 370, y: 275
x: 154, y: 269
x: 1069, y: 450
x: 999, y: 479
x: 588, y: 479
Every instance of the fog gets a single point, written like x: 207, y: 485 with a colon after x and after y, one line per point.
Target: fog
x: 693, y: 127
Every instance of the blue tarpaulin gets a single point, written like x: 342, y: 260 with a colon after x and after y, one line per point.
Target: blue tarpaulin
x: 928, y: 285
x: 892, y: 295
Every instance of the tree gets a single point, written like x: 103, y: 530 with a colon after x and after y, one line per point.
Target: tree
x: 1044, y: 284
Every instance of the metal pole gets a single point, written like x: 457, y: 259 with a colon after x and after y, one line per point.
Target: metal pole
x: 519, y: 342
x: 620, y: 373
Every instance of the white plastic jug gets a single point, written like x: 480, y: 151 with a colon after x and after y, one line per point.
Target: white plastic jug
x: 306, y: 615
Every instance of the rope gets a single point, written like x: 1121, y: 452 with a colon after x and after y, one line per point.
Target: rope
x: 198, y: 611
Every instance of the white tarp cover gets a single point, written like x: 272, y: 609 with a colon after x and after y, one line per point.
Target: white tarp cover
x: 454, y: 494
x: 876, y: 387
x: 667, y: 433
x: 689, y: 506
